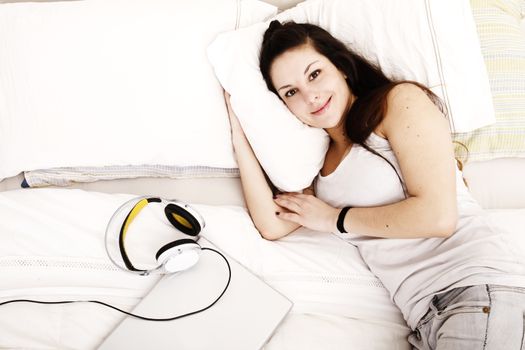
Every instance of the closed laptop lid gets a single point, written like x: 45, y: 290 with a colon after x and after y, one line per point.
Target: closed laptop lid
x: 244, y: 318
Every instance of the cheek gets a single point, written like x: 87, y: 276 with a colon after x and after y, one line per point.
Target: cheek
x: 295, y: 107
x: 299, y: 109
x: 345, y: 90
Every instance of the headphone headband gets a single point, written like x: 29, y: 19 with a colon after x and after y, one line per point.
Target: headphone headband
x: 184, y: 218
x: 137, y: 208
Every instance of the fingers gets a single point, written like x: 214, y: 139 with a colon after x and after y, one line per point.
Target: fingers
x: 293, y: 202
x: 293, y: 217
x: 306, y: 210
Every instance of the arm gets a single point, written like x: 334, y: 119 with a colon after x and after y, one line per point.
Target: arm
x: 257, y: 192
x: 420, y: 137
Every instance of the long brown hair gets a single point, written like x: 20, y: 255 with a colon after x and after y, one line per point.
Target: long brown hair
x: 367, y: 82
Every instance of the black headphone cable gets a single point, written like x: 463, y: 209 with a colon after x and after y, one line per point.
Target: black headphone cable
x: 129, y: 313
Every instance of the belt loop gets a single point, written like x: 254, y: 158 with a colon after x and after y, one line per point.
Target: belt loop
x: 418, y: 334
x: 433, y: 303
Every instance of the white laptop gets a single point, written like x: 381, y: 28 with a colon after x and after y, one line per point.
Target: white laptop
x: 243, y: 319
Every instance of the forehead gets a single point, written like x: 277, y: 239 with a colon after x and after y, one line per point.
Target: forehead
x: 293, y: 62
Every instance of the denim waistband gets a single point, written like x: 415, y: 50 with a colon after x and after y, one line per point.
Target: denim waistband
x: 478, y: 293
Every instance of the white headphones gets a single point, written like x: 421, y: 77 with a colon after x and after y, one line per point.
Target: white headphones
x: 175, y: 256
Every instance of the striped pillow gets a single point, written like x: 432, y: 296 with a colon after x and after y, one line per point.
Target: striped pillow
x: 502, y: 39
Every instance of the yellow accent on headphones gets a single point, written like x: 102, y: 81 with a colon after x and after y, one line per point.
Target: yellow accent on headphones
x: 132, y: 215
x: 175, y: 256
x: 182, y: 220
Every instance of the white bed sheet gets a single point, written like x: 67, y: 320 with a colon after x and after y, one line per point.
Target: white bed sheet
x: 53, y: 250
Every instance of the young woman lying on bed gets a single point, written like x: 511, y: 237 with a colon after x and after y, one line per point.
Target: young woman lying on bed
x: 389, y: 179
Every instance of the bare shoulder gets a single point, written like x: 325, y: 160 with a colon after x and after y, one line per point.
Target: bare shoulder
x: 408, y: 103
x: 407, y: 93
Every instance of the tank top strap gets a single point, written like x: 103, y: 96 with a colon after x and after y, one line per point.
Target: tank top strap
x: 377, y: 142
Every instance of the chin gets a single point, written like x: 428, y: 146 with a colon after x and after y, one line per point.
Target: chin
x: 323, y: 122
x: 332, y: 123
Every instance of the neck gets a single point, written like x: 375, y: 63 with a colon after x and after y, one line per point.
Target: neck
x: 338, y: 136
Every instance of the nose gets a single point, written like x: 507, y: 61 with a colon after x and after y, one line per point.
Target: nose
x: 311, y: 96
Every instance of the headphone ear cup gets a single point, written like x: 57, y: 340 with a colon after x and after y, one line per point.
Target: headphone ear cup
x: 182, y: 219
x: 178, y: 255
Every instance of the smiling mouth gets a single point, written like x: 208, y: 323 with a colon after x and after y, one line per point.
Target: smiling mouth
x: 323, y: 108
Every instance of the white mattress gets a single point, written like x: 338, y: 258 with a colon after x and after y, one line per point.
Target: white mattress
x: 53, y: 250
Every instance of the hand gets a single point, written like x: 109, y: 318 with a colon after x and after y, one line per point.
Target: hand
x: 235, y: 125
x: 307, y: 210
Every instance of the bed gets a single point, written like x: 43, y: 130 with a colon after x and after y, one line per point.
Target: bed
x: 88, y: 121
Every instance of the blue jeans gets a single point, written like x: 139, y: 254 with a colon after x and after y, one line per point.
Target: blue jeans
x: 488, y: 317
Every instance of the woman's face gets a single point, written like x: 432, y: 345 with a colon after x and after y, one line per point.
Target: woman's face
x: 312, y: 88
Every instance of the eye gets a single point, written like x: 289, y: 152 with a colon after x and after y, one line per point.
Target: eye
x: 314, y: 74
x: 290, y: 93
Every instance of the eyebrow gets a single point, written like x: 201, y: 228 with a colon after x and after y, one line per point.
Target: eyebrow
x: 306, y: 70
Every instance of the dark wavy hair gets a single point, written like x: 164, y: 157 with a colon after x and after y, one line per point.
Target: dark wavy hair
x: 367, y: 82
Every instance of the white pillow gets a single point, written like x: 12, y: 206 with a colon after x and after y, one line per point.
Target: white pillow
x: 290, y: 152
x: 433, y: 42
x: 114, y: 83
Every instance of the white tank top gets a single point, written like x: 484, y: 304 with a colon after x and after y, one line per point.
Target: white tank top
x: 414, y: 270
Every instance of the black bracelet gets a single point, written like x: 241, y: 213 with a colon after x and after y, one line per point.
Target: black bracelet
x: 341, y: 219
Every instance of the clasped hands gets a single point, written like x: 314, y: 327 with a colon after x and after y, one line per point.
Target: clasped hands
x: 308, y: 211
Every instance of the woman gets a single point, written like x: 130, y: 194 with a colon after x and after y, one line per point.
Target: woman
x: 389, y: 184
